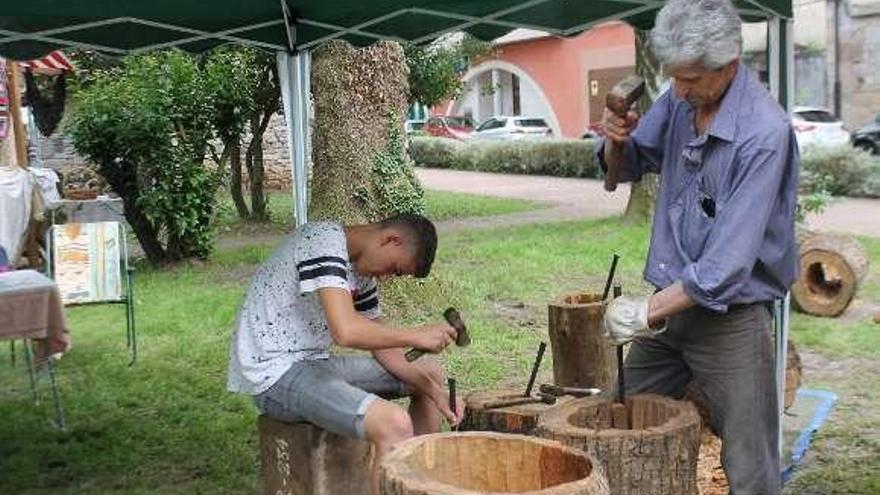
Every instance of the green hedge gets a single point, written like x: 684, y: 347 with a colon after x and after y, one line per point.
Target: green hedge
x: 555, y: 157
x: 844, y: 171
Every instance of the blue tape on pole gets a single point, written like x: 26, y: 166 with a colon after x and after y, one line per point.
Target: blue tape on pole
x: 826, y: 404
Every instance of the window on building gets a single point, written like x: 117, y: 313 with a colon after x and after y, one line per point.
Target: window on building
x: 514, y: 84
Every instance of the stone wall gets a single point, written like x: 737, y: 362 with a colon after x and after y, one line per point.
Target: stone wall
x: 57, y: 152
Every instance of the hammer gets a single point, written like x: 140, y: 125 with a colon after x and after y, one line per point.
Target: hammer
x: 619, y: 100
x: 624, y: 94
x: 518, y: 401
x: 557, y: 390
x: 462, y: 338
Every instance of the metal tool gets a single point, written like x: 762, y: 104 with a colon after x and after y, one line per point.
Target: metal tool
x: 518, y: 401
x: 535, y: 367
x: 610, y: 278
x: 452, y: 400
x: 558, y: 391
x: 622, y: 96
x: 462, y: 338
x: 621, y: 383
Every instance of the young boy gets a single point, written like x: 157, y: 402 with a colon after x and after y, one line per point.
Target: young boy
x: 320, y: 288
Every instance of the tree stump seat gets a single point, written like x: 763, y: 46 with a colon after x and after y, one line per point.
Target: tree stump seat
x: 656, y: 455
x: 303, y: 459
x: 475, y: 463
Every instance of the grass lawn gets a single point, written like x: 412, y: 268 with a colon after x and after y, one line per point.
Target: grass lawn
x: 167, y: 426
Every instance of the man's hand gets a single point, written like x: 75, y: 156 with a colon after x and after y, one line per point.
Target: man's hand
x: 617, y: 129
x: 626, y: 318
x: 440, y: 398
x: 433, y: 338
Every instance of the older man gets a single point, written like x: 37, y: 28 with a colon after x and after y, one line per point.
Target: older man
x: 722, y: 244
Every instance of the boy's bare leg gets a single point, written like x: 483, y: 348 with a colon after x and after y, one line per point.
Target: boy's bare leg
x: 385, y: 424
x: 425, y: 415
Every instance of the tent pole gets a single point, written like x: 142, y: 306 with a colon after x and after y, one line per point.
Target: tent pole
x: 293, y: 84
x: 780, y: 65
x: 18, y: 131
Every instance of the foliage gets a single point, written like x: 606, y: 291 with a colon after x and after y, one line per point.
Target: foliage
x: 398, y: 190
x: 556, y: 157
x: 813, y: 196
x: 146, y: 125
x: 230, y: 77
x: 845, y: 170
x: 435, y: 70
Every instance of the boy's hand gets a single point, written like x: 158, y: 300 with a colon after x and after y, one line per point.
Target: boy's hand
x: 441, y: 399
x: 434, y: 338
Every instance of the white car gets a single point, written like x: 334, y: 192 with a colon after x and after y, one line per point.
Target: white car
x: 512, y: 128
x: 815, y: 126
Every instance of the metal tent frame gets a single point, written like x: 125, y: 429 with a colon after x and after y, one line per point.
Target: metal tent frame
x: 293, y: 52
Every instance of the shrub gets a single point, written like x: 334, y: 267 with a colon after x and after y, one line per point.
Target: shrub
x: 555, y: 157
x: 844, y: 170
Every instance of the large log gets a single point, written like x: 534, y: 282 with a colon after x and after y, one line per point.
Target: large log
x: 582, y: 356
x: 302, y: 459
x: 520, y: 419
x: 476, y: 463
x: 657, y: 455
x: 832, y: 267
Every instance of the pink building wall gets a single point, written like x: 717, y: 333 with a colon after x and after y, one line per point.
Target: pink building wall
x: 561, y: 66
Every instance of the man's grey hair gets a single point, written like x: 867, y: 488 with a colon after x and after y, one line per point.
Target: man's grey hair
x: 687, y: 32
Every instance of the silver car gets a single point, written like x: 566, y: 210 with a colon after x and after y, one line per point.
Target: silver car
x: 513, y: 128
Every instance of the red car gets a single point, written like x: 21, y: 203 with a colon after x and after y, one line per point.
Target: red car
x: 449, y: 126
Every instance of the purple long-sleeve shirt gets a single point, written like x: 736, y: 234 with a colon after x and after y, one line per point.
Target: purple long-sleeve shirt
x: 724, y: 221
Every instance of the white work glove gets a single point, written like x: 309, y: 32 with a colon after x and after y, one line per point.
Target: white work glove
x: 626, y: 318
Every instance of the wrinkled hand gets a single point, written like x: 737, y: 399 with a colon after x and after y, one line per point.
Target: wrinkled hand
x: 626, y: 318
x: 434, y: 338
x: 617, y: 129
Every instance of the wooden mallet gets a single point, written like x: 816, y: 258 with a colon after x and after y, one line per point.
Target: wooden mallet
x: 619, y: 100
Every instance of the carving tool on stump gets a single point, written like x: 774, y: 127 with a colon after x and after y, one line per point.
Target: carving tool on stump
x: 558, y: 391
x: 618, y: 411
x: 518, y: 401
x: 462, y: 338
x: 535, y: 367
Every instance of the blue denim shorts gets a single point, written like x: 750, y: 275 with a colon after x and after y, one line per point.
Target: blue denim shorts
x: 332, y: 393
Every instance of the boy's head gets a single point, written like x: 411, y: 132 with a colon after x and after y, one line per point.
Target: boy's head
x: 399, y: 245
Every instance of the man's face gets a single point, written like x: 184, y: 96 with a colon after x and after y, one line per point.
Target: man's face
x: 387, y: 255
x: 700, y: 86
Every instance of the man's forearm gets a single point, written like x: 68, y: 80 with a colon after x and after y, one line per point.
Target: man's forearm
x: 412, y: 374
x: 668, y: 302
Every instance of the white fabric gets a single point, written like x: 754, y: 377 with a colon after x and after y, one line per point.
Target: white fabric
x: 626, y: 318
x: 47, y: 179
x: 20, y: 201
x: 281, y: 320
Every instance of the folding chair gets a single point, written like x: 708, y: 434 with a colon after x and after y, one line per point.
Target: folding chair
x: 89, y: 262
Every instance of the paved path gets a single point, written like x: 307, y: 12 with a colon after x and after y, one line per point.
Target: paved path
x: 571, y: 199
x: 574, y: 199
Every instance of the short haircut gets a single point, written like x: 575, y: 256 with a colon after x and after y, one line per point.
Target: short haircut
x: 421, y: 235
x: 697, y: 31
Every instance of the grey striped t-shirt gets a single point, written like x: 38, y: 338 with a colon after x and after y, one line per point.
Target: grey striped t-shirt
x: 281, y: 320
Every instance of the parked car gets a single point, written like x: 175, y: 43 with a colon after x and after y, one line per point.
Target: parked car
x: 449, y: 126
x: 414, y: 127
x: 513, y: 128
x: 815, y: 126
x: 867, y: 137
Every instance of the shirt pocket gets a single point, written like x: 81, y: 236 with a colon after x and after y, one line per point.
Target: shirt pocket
x: 699, y: 210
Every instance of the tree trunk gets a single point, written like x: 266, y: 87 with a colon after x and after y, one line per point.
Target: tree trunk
x: 832, y: 267
x: 477, y: 462
x: 235, y: 182
x: 360, y: 96
x: 582, y: 356
x: 146, y: 235
x: 256, y: 170
x: 656, y: 455
x: 643, y: 194
x: 520, y: 419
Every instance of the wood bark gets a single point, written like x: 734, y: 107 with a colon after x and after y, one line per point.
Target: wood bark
x: 235, y: 182
x: 832, y: 268
x: 357, y: 92
x: 582, y: 356
x: 656, y: 456
x: 475, y: 463
x: 302, y: 459
x: 520, y: 419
